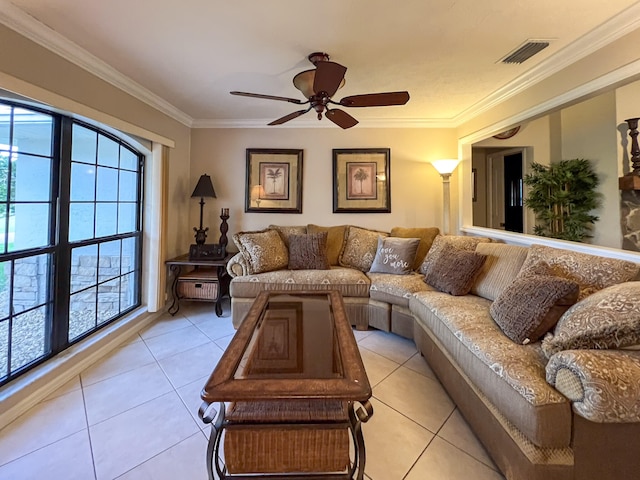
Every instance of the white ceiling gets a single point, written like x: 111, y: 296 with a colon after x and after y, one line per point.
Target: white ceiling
x: 191, y: 53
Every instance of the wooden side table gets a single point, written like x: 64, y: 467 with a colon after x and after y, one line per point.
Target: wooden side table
x: 199, y: 280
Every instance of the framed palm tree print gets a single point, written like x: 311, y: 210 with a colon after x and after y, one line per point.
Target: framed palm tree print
x: 274, y: 180
x: 361, y: 180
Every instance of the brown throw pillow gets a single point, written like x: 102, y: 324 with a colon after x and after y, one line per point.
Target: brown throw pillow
x: 454, y: 270
x: 335, y: 240
x: 532, y: 305
x: 460, y: 242
x: 308, y: 252
x: 395, y: 255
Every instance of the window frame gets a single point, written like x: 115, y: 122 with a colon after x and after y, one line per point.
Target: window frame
x: 57, y: 321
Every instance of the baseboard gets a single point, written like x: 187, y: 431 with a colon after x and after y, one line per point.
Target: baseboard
x: 18, y: 396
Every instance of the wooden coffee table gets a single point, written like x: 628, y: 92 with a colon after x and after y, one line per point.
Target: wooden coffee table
x: 297, y: 389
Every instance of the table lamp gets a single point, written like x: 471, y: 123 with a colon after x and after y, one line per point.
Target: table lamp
x: 203, y: 189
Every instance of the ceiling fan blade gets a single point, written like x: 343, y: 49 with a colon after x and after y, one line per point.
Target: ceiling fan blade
x: 268, y: 97
x: 341, y: 118
x: 328, y: 77
x: 376, y: 99
x: 291, y: 116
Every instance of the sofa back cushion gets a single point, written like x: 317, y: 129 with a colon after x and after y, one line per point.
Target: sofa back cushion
x: 426, y: 236
x: 499, y: 270
x: 263, y: 250
x: 335, y: 240
x: 360, y: 245
x: 590, y: 272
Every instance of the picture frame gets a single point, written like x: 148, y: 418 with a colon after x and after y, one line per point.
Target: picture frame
x: 273, y: 180
x: 361, y: 180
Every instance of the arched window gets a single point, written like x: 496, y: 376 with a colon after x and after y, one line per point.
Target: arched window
x: 70, y: 233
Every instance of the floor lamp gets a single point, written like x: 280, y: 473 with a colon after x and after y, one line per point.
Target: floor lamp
x: 445, y: 168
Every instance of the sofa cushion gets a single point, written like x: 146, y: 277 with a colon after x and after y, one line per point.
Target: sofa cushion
x: 499, y: 270
x: 510, y: 375
x: 591, y: 272
x: 532, y: 305
x: 263, y: 251
x: 609, y: 318
x: 395, y: 255
x: 286, y: 231
x: 359, y: 250
x: 335, y: 240
x: 349, y: 282
x: 459, y: 241
x: 453, y: 271
x: 396, y: 289
x: 426, y: 236
x: 308, y: 252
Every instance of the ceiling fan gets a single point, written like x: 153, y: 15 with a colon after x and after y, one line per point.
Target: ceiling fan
x: 320, y: 84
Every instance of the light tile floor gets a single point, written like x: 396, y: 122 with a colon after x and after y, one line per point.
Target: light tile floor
x: 133, y: 415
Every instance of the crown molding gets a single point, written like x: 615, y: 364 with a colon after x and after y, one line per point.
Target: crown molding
x: 618, y: 26
x: 313, y: 123
x: 31, y: 28
x: 615, y: 77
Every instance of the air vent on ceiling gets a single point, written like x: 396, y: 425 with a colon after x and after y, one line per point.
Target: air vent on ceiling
x: 526, y: 51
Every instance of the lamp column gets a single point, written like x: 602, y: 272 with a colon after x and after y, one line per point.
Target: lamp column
x: 446, y: 201
x: 445, y: 168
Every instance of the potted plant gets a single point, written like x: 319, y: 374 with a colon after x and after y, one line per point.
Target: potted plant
x: 562, y: 196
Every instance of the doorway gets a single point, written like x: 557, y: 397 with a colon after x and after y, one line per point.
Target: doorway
x: 505, y: 198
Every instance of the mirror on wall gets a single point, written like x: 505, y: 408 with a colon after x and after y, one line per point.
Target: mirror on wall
x: 590, y: 129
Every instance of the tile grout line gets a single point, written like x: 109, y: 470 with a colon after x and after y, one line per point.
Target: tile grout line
x: 86, y: 419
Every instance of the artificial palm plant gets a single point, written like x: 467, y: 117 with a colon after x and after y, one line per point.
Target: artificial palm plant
x: 562, y: 196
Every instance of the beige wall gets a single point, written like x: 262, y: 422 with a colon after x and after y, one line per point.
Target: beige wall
x: 589, y: 131
x: 33, y: 71
x: 416, y: 187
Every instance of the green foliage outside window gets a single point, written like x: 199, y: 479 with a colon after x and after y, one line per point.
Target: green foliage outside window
x: 562, y: 196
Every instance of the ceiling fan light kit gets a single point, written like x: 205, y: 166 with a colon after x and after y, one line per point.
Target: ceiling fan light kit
x: 319, y: 85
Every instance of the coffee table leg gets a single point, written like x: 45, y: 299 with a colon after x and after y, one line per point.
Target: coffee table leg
x: 357, y: 416
x: 213, y: 449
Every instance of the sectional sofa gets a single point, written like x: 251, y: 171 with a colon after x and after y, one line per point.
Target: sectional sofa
x: 535, y: 345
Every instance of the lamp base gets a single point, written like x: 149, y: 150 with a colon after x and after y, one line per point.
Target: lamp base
x: 201, y: 235
x: 211, y: 251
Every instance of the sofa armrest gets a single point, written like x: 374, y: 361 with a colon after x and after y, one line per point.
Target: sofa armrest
x: 603, y: 385
x: 237, y: 266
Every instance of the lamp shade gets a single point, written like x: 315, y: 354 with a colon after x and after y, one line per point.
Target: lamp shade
x: 257, y: 192
x: 445, y: 167
x: 304, y: 82
x: 204, y: 188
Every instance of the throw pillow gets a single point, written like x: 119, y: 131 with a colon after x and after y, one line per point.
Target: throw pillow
x: 360, y: 247
x: 308, y: 252
x: 263, y: 251
x: 426, y: 236
x: 460, y: 242
x: 286, y: 231
x: 609, y: 318
x: 454, y: 270
x: 591, y: 272
x: 335, y: 240
x: 395, y: 255
x: 532, y: 305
